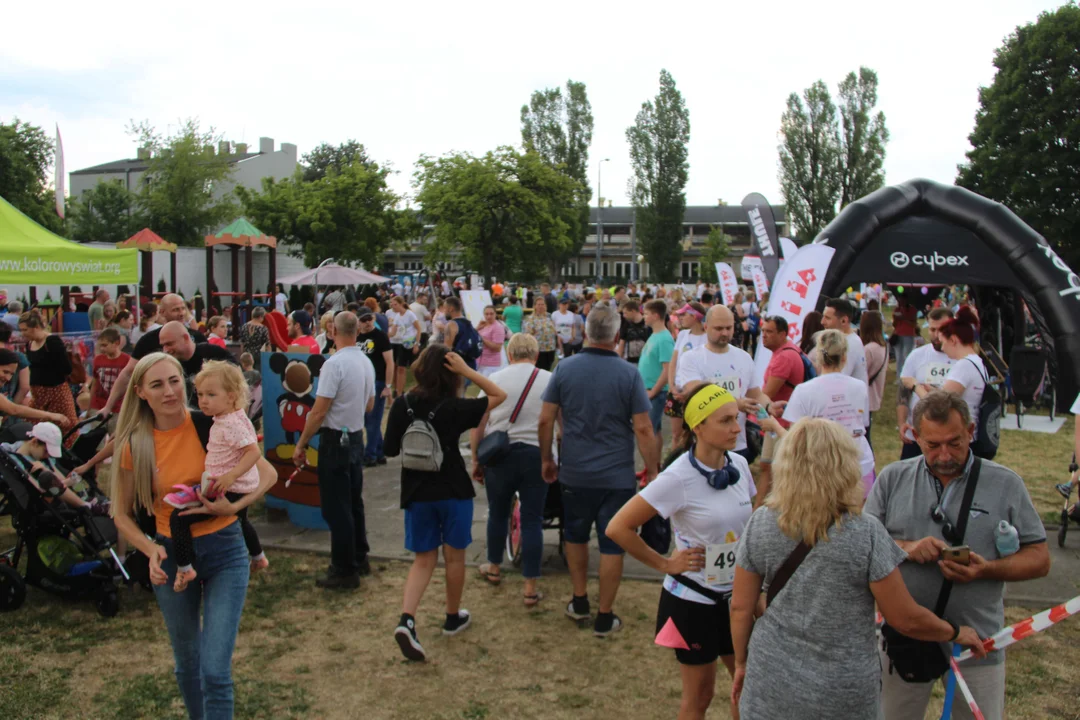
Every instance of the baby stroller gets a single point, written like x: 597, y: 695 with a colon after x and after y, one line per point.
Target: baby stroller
x: 553, y: 520
x: 1068, y: 512
x: 1029, y: 381
x: 68, y: 551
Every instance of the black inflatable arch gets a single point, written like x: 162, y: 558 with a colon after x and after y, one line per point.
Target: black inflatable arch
x: 928, y: 233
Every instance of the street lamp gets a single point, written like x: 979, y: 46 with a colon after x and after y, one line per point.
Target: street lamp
x: 599, y: 219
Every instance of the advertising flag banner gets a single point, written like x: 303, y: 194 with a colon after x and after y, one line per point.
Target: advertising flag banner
x: 729, y: 284
x: 764, y: 241
x: 59, y: 181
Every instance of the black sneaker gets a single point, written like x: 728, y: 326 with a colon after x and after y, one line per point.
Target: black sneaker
x: 578, y: 609
x: 363, y: 568
x: 335, y: 581
x: 382, y: 460
x: 405, y: 634
x: 457, y: 623
x: 606, y: 624
x: 370, y: 462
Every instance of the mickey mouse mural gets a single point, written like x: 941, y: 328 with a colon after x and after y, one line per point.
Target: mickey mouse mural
x: 289, y: 383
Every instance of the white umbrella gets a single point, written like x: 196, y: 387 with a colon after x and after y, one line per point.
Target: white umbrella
x: 333, y: 274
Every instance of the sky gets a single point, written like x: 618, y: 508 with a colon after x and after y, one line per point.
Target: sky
x: 434, y: 77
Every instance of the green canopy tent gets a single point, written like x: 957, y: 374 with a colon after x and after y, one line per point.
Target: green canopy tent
x: 32, y: 255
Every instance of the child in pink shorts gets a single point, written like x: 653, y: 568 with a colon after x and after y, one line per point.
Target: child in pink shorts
x: 231, y: 455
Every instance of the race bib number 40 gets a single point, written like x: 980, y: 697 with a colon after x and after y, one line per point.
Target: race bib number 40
x: 731, y: 383
x: 720, y: 564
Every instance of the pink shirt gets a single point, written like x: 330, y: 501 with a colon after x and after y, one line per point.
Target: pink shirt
x: 496, y: 334
x: 229, y: 435
x: 877, y: 356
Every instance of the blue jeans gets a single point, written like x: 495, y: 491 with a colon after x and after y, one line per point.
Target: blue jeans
x: 656, y: 411
x: 373, y: 450
x: 203, y: 653
x: 519, y: 472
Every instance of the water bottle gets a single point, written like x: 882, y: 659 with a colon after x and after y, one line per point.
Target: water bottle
x: 1006, y: 539
x: 344, y: 437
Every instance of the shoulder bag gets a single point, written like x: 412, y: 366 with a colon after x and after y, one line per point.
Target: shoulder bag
x: 922, y: 661
x: 494, y: 446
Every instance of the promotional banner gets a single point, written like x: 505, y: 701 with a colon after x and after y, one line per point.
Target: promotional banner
x: 765, y: 243
x: 288, y: 388
x: 761, y: 283
x: 729, y: 284
x: 749, y: 262
x: 473, y: 303
x: 59, y: 182
x: 788, y: 248
x: 795, y: 294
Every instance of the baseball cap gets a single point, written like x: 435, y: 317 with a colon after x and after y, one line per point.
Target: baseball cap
x: 303, y: 319
x: 364, y: 312
x: 49, y: 434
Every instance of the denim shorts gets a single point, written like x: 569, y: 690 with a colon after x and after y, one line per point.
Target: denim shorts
x: 429, y: 525
x: 584, y: 507
x: 656, y: 411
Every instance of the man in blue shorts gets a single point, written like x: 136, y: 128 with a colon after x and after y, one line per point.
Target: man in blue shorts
x: 604, y: 407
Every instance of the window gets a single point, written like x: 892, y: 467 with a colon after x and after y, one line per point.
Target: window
x: 569, y: 269
x: 690, y: 270
x: 622, y: 269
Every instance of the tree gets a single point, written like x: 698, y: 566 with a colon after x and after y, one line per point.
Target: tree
x: 810, y: 175
x: 349, y: 214
x: 505, y: 211
x: 107, y: 212
x: 558, y: 130
x: 863, y: 138
x: 658, y: 154
x: 717, y: 249
x: 1026, y: 143
x: 182, y: 189
x: 338, y: 157
x: 26, y: 156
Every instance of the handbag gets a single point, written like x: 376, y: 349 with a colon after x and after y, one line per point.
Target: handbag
x: 494, y: 447
x: 656, y: 532
x: 923, y: 661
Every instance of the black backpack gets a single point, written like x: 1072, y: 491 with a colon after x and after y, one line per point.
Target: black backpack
x: 988, y: 429
x: 467, y: 342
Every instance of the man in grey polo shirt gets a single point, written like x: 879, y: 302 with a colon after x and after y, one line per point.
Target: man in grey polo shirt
x: 603, y: 407
x: 917, y: 501
x: 346, y: 392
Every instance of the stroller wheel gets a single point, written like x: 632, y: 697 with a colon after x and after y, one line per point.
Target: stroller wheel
x: 108, y: 602
x: 12, y: 589
x: 1064, y: 529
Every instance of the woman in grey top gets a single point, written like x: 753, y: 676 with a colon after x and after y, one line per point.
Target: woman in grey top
x: 806, y: 659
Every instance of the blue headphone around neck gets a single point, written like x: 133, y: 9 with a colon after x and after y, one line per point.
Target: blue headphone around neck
x: 720, y: 479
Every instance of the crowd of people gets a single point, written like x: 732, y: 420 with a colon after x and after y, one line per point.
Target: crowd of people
x: 785, y: 536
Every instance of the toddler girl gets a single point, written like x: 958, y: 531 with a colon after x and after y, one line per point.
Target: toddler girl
x: 231, y: 455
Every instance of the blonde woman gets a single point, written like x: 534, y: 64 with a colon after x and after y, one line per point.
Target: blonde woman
x: 326, y: 325
x: 834, y: 396
x: 159, y: 445
x: 820, y: 625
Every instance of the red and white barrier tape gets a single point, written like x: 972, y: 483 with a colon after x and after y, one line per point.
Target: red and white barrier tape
x: 962, y: 684
x: 1036, y: 623
x: 294, y: 474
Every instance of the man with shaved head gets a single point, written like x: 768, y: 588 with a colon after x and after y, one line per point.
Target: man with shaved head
x: 172, y: 310
x: 719, y: 362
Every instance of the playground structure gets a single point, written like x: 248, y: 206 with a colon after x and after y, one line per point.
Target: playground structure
x: 239, y: 234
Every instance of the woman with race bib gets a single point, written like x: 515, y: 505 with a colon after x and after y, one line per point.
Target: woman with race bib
x: 967, y: 377
x: 834, y: 396
x: 707, y: 493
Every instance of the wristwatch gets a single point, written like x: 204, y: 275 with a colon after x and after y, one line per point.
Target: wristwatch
x: 955, y: 629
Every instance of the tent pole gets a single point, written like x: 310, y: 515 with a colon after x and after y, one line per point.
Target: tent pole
x: 172, y: 271
x: 234, y: 252
x: 209, y: 299
x: 273, y: 275
x: 249, y: 279
x: 147, y: 275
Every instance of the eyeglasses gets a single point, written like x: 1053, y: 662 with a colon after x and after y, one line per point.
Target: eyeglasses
x: 948, y: 530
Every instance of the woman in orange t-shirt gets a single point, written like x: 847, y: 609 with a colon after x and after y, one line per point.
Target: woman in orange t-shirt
x: 160, y: 447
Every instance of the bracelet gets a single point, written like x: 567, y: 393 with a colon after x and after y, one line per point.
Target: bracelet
x: 955, y: 629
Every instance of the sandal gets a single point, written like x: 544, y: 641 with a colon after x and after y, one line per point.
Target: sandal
x: 533, y: 600
x: 493, y: 578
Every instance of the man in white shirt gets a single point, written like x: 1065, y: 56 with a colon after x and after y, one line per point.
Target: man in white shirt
x: 717, y: 361
x: 838, y: 315
x: 345, y: 394
x: 419, y: 308
x: 926, y: 365
x: 564, y: 322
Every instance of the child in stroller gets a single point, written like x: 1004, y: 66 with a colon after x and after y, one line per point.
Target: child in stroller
x: 37, y: 454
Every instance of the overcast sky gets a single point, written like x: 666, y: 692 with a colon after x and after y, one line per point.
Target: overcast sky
x: 418, y: 78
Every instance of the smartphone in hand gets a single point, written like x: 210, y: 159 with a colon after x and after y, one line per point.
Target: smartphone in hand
x: 960, y: 554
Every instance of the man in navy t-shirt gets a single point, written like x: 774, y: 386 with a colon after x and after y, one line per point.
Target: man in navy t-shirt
x: 604, y: 408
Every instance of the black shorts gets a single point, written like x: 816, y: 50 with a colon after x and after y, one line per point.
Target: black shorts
x: 403, y: 356
x: 700, y: 633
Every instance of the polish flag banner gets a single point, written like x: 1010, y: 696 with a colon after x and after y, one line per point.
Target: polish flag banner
x: 796, y: 290
x: 729, y: 284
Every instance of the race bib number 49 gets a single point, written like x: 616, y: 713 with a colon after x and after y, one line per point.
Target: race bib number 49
x: 720, y: 564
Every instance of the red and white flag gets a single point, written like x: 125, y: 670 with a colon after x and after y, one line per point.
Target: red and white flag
x: 729, y: 284
x: 60, y: 181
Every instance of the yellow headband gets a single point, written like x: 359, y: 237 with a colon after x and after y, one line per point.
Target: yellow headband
x: 704, y: 403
